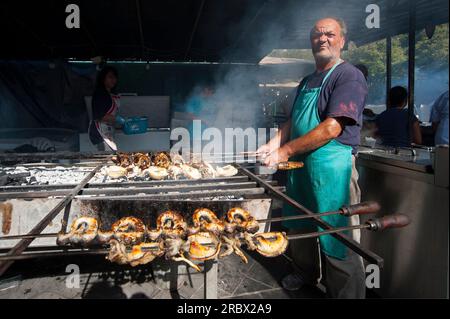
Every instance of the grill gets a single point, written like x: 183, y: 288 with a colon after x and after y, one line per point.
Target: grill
x: 40, y: 211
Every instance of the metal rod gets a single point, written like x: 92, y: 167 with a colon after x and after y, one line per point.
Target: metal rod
x: 194, y: 29
x: 326, y: 232
x: 24, y: 243
x: 52, y: 254
x: 28, y: 236
x: 235, y: 179
x: 48, y: 156
x: 141, y: 30
x: 368, y: 255
x: 296, y: 217
x: 133, y: 190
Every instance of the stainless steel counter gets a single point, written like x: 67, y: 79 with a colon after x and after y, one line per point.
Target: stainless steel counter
x: 421, y: 161
x: 416, y: 257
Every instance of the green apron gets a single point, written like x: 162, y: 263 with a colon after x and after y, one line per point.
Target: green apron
x: 323, y: 184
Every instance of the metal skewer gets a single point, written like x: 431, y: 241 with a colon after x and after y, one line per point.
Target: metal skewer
x: 363, y: 208
x: 378, y: 224
x: 369, y: 207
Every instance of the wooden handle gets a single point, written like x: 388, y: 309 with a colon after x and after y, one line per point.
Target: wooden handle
x: 390, y: 221
x: 369, y: 207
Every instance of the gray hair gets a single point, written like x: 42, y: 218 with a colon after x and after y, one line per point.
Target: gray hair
x: 339, y: 21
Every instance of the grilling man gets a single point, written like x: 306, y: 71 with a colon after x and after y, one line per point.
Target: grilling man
x: 323, y: 131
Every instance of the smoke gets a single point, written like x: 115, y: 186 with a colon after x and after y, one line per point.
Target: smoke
x: 238, y: 94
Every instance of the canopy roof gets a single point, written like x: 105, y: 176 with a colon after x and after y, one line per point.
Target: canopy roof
x: 191, y: 30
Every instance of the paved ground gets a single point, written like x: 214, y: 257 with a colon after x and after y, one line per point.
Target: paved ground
x: 46, y: 278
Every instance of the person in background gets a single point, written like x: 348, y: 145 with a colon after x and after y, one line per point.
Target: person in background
x: 363, y: 70
x: 105, y: 105
x: 393, y: 125
x: 439, y: 119
x: 201, y: 106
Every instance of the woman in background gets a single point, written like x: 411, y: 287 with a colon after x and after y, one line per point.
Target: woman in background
x: 105, y: 104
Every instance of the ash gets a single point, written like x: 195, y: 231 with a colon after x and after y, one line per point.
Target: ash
x: 21, y: 175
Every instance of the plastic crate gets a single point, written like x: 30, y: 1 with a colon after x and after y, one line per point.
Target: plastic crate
x: 135, y: 125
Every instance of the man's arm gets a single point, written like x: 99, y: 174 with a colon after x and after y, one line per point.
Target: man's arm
x: 326, y: 131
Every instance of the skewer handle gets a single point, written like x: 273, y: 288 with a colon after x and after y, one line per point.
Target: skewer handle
x: 363, y: 208
x: 390, y: 221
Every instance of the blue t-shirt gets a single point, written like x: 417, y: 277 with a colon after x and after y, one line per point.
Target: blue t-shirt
x: 439, y: 114
x: 393, y: 127
x: 203, y: 108
x: 343, y: 95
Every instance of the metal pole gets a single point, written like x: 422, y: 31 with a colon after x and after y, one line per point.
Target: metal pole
x: 411, y: 60
x: 356, y: 247
x: 24, y: 243
x: 388, y: 66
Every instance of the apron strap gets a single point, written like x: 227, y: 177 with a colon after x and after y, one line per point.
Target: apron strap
x: 331, y: 71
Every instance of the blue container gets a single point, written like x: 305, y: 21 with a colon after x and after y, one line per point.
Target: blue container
x: 135, y: 125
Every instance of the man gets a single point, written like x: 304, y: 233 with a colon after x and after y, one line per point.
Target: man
x: 393, y: 124
x: 323, y: 132
x: 201, y: 106
x: 439, y: 119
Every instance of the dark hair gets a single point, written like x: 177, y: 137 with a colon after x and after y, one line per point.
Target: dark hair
x: 397, y: 96
x: 100, y: 82
x: 363, y: 70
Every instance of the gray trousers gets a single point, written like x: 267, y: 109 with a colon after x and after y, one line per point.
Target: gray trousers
x: 342, y: 278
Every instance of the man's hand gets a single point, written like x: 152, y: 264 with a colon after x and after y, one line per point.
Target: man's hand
x: 277, y: 156
x: 264, y: 149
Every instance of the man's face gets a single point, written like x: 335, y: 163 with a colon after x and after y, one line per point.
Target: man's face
x: 327, y: 40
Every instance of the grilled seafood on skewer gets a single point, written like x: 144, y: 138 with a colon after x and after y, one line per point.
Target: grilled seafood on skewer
x: 171, y: 224
x: 139, y: 255
x: 129, y: 230
x: 144, y: 253
x: 232, y: 244
x: 156, y: 172
x: 83, y: 231
x: 190, y: 172
x: 142, y: 160
x: 205, y: 219
x: 270, y: 244
x: 289, y: 165
x: 176, y: 159
x: 103, y: 237
x: 154, y: 234
x: 205, y: 169
x: 116, y: 171
x: 161, y: 159
x: 241, y: 220
x: 226, y: 171
x: 173, y: 248
x: 202, y: 246
x: 174, y: 172
x: 117, y: 252
x: 123, y: 159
